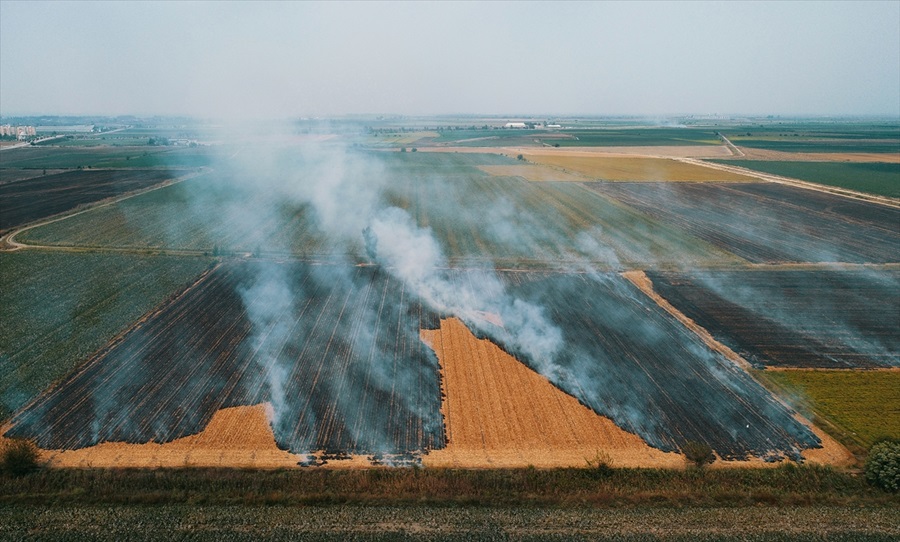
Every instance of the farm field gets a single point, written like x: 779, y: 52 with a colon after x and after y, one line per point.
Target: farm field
x: 767, y: 222
x: 603, y: 168
x: 818, y: 137
x: 430, y: 522
x: 347, y: 373
x: 627, y: 359
x: 846, y: 401
x: 323, y: 352
x: 48, y: 157
x: 889, y: 143
x: 546, y: 224
x: 31, y: 199
x: 500, y: 413
x: 795, y: 318
x: 639, y: 137
x: 57, y: 309
x: 342, y: 366
x: 875, y: 177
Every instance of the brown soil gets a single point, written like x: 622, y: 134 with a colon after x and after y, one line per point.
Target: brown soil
x: 500, y: 413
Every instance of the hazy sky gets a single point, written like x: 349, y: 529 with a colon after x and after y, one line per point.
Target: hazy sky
x: 286, y: 59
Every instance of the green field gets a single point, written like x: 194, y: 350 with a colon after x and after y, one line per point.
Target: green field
x: 873, y: 177
x: 821, y: 137
x: 103, y: 156
x: 56, y: 309
x: 859, y: 406
x: 41, y: 157
x: 640, y: 137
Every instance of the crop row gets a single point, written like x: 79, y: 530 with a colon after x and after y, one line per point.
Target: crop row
x: 767, y: 222
x: 57, y: 309
x: 626, y: 358
x: 538, y: 224
x: 341, y: 362
x: 797, y: 318
x: 40, y: 197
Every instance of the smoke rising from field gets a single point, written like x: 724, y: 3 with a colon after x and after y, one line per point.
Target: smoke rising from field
x: 270, y: 306
x: 354, y: 216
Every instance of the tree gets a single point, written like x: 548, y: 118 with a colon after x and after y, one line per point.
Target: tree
x: 520, y: 157
x: 883, y: 465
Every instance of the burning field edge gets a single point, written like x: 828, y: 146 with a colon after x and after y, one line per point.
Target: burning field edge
x: 498, y: 414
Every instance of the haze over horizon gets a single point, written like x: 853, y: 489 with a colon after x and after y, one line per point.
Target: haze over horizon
x: 277, y: 60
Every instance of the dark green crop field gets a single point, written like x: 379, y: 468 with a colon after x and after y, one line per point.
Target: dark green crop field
x: 878, y: 178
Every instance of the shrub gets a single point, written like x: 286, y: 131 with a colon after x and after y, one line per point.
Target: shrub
x: 19, y: 457
x: 698, y: 453
x: 883, y: 465
x: 601, y: 466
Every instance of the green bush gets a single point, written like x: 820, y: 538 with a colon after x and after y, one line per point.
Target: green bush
x: 19, y: 457
x: 698, y: 453
x: 883, y: 465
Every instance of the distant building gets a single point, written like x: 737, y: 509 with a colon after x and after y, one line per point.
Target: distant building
x: 20, y: 132
x: 515, y: 125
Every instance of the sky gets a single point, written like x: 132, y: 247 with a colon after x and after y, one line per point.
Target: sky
x: 287, y: 59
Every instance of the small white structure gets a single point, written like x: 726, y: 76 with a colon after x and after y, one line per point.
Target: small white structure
x: 514, y: 125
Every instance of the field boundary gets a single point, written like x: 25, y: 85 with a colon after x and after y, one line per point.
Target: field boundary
x: 8, y: 242
x: 778, y: 179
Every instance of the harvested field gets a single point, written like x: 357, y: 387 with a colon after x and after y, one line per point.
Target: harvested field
x: 795, y: 318
x: 343, y: 366
x: 531, y: 173
x: 633, y: 168
x: 40, y: 197
x: 235, y: 437
x: 499, y: 413
x: 626, y: 358
x: 768, y: 222
x: 346, y: 371
x: 536, y: 224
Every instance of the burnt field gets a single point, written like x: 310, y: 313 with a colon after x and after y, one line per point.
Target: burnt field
x: 340, y: 361
x: 624, y: 357
x: 336, y: 350
x: 767, y: 222
x: 795, y: 318
x: 31, y: 199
